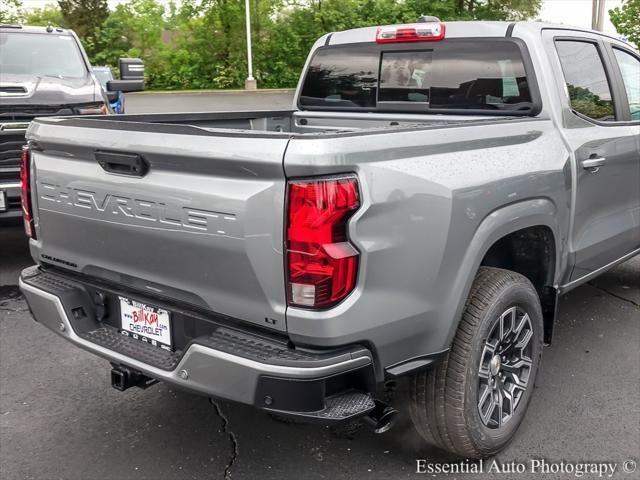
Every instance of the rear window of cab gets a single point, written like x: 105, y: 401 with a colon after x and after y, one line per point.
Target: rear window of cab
x: 473, y: 76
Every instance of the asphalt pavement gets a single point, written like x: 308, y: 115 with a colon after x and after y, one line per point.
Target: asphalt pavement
x: 60, y: 418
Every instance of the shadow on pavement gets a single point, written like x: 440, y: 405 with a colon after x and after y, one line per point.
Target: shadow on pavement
x: 14, y: 253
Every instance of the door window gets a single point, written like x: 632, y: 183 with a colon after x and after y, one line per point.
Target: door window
x: 630, y: 69
x: 585, y: 78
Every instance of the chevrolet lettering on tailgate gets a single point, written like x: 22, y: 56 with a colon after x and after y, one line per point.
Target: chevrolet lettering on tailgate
x: 134, y: 211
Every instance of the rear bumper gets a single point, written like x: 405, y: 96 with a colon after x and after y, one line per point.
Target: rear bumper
x: 229, y: 364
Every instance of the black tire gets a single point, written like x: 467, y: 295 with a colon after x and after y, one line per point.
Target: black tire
x: 444, y: 400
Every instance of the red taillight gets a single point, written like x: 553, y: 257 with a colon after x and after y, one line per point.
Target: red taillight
x: 321, y: 263
x: 414, y: 32
x: 25, y: 193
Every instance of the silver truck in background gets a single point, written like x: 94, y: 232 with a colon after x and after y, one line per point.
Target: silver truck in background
x: 416, y: 215
x: 44, y: 71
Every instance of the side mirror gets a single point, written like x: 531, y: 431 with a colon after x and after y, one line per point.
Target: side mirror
x: 131, y: 76
x: 112, y: 96
x: 125, y: 86
x: 131, y: 69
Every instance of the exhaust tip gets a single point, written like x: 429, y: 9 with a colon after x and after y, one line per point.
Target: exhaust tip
x: 381, y: 418
x: 386, y: 421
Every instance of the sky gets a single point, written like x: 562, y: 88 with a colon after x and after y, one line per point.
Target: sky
x: 575, y: 12
x: 570, y: 12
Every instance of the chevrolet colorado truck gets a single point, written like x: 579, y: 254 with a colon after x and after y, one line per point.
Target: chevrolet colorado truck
x: 44, y: 71
x: 417, y: 214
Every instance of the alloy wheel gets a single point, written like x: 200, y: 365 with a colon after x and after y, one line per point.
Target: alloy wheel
x: 505, y: 367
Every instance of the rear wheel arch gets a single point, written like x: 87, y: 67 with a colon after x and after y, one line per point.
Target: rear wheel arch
x: 534, y: 218
x: 531, y: 252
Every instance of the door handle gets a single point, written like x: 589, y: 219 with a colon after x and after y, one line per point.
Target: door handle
x: 593, y: 163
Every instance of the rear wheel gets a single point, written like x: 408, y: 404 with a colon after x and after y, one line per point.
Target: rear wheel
x: 473, y: 402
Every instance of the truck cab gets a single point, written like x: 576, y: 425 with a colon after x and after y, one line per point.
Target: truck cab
x: 44, y: 71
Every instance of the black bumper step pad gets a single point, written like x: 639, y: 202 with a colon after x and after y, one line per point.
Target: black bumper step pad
x: 111, y: 339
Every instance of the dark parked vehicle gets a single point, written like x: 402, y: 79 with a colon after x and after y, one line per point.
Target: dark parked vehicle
x: 44, y: 71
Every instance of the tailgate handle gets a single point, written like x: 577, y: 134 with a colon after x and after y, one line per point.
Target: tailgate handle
x: 130, y: 164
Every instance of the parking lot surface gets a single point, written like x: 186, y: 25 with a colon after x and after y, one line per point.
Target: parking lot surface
x: 60, y: 418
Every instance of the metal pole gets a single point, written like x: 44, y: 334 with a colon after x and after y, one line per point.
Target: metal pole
x: 250, y: 82
x: 594, y: 14
x: 601, y: 12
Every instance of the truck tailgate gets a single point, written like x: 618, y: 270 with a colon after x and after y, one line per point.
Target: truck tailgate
x: 204, y: 225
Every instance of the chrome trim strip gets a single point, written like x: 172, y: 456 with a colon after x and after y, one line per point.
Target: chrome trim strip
x: 9, y: 185
x: 562, y: 289
x: 14, y: 127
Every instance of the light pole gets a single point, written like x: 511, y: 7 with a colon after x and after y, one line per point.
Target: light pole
x: 601, y: 13
x: 597, y: 14
x: 250, y: 82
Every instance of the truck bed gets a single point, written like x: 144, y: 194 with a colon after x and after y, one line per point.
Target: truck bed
x: 289, y: 122
x: 201, y: 220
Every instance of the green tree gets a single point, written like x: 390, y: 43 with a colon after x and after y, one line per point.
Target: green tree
x: 588, y: 103
x: 49, y: 14
x: 10, y: 11
x: 498, y: 9
x: 626, y: 19
x: 202, y: 43
x: 281, y: 56
x: 146, y: 24
x: 207, y: 46
x: 84, y: 16
x: 133, y: 29
x: 112, y: 39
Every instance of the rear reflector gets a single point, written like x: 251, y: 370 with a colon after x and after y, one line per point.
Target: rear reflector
x: 413, y: 32
x: 25, y: 193
x: 321, y: 263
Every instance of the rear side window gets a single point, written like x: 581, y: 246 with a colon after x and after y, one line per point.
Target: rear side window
x: 455, y: 75
x: 630, y: 70
x: 585, y: 78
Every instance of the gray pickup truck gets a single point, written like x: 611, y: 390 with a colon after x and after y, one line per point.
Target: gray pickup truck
x: 416, y: 215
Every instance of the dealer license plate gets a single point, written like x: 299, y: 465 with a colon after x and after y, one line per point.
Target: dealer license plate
x: 146, y: 323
